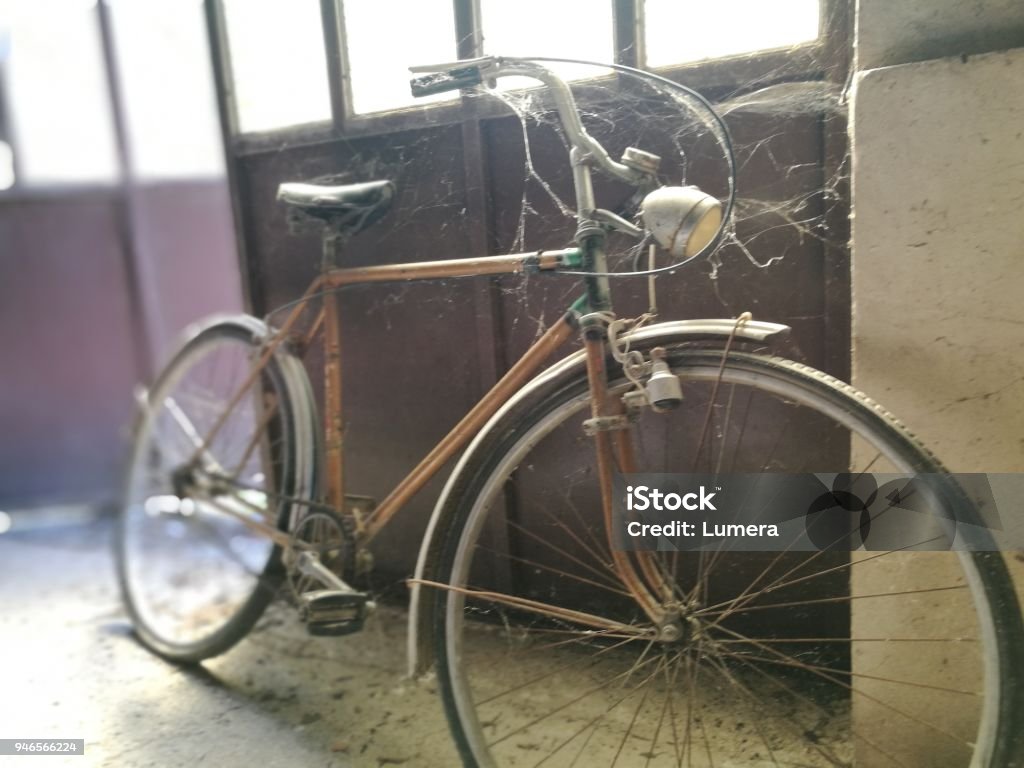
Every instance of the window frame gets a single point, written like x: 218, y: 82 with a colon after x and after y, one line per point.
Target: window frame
x: 817, y: 59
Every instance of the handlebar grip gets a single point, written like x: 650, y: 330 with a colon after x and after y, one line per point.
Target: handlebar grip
x: 440, y: 82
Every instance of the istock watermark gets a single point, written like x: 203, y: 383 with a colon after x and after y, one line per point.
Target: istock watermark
x: 811, y: 512
x: 642, y: 498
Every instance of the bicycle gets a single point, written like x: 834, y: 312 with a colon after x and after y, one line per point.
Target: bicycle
x: 651, y: 658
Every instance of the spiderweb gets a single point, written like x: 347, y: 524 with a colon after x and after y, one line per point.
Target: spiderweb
x: 790, y: 200
x: 512, y: 191
x: 791, y: 173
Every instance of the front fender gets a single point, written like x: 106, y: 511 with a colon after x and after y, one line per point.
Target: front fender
x: 420, y: 611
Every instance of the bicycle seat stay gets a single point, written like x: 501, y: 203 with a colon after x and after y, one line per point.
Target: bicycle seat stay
x: 346, y: 208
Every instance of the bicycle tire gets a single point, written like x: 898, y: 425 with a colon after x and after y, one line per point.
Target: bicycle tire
x: 148, y: 595
x: 508, y: 445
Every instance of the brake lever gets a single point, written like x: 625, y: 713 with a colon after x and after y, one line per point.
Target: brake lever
x: 616, y: 222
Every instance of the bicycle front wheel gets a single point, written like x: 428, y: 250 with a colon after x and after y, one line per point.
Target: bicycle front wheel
x: 195, y: 578
x: 809, y: 659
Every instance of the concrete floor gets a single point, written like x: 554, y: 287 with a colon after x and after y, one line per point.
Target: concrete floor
x: 69, y: 668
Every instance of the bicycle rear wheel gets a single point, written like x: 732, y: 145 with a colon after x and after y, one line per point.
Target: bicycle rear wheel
x: 810, y: 659
x: 194, y: 577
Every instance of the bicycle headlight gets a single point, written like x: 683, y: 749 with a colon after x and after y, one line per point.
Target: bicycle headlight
x: 682, y: 219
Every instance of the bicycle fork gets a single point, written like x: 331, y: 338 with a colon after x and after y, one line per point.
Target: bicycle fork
x: 613, y: 443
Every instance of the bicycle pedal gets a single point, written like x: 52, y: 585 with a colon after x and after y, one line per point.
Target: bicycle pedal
x: 330, y: 612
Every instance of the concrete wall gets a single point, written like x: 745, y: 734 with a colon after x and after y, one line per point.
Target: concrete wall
x: 938, y: 319
x: 938, y: 261
x: 892, y: 32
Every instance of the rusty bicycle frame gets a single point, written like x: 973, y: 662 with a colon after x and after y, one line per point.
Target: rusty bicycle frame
x: 613, y: 447
x: 590, y: 315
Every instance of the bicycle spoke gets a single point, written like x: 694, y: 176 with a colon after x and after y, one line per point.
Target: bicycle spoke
x: 591, y: 726
x: 776, y: 586
x: 825, y: 600
x: 847, y: 640
x: 661, y: 721
x: 570, y: 703
x: 756, y: 718
x: 796, y: 694
x: 778, y: 557
x: 832, y: 670
x: 559, y: 550
x: 733, y: 605
x: 670, y: 697
x: 852, y: 689
x: 700, y: 722
x: 187, y: 580
x: 600, y: 556
x: 690, y: 698
x: 556, y: 571
x: 643, y: 700
x: 681, y: 689
x: 557, y: 670
x: 534, y: 606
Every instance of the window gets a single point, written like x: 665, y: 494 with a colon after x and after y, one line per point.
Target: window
x: 379, y: 77
x: 680, y: 31
x: 382, y: 38
x: 167, y: 87
x: 56, y: 89
x: 278, y: 62
x: 546, y: 28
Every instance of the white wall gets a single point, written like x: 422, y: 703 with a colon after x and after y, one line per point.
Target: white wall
x: 938, y: 252
x: 938, y: 289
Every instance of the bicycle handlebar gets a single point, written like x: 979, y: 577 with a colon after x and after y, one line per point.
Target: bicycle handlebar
x: 439, y: 78
x: 637, y: 167
x: 450, y: 80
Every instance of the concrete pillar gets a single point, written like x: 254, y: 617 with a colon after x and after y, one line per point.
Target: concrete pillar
x: 938, y: 318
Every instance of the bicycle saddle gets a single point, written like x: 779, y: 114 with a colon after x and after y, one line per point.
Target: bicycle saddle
x: 348, y: 208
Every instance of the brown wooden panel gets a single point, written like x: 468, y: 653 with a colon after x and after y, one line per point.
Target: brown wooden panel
x: 187, y: 255
x: 779, y: 160
x: 68, y: 359
x: 409, y: 352
x: 412, y: 354
x: 785, y: 166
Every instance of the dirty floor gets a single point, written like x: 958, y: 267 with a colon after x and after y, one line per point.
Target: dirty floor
x: 70, y: 669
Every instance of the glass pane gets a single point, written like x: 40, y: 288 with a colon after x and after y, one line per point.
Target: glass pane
x: 549, y: 28
x: 278, y: 62
x: 422, y: 33
x: 167, y: 81
x: 56, y: 86
x: 686, y: 30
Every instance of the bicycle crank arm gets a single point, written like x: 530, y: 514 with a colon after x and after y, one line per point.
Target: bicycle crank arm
x: 308, y: 563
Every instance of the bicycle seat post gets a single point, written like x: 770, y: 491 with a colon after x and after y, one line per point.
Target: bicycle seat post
x: 331, y: 250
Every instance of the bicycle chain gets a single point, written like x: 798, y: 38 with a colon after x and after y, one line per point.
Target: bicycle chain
x: 347, y: 523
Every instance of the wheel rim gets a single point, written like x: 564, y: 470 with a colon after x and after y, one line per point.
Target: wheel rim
x: 190, y: 570
x: 490, y: 744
